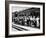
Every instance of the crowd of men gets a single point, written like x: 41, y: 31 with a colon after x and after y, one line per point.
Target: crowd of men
x: 30, y: 20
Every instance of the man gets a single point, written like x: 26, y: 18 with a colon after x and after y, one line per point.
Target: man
x: 28, y: 21
x: 25, y: 20
x: 37, y: 19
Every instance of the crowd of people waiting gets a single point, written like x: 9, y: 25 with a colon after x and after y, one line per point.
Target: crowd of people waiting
x: 27, y: 20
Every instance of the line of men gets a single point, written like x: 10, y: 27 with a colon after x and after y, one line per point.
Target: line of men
x: 28, y: 21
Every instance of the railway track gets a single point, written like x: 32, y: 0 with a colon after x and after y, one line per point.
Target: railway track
x: 19, y: 28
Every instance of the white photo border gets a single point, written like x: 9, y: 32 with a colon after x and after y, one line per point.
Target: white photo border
x: 42, y: 18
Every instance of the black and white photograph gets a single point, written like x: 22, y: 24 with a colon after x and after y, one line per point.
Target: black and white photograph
x: 25, y: 19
